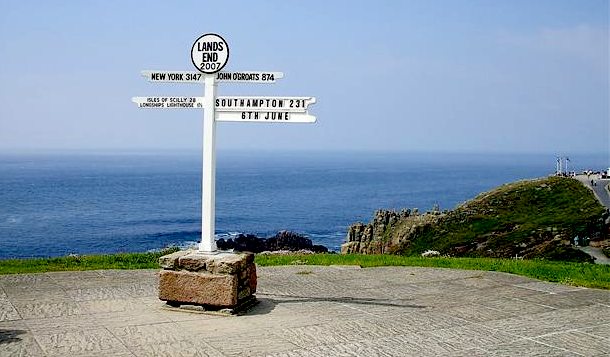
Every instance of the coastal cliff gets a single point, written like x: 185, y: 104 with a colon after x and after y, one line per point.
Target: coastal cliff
x: 527, y: 219
x: 386, y: 232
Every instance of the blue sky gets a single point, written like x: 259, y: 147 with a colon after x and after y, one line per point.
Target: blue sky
x: 457, y: 76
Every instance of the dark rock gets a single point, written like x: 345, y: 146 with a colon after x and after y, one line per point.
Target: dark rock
x: 284, y: 240
x: 319, y: 248
x: 249, y: 243
x: 223, y: 244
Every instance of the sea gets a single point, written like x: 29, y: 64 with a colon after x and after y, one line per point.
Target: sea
x: 61, y: 203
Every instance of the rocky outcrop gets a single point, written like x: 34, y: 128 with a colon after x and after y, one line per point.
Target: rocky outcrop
x: 386, y: 231
x: 282, y: 241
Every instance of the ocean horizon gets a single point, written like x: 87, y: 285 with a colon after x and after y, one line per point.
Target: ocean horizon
x: 69, y: 202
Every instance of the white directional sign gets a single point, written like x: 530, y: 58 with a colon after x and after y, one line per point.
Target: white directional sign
x: 284, y: 104
x: 174, y: 76
x: 197, y: 77
x: 168, y: 102
x: 248, y: 77
x: 210, y: 54
x: 231, y: 104
x: 265, y: 117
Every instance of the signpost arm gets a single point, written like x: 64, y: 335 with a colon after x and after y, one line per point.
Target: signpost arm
x: 208, y: 189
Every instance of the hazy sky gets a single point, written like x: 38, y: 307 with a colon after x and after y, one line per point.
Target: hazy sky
x: 501, y: 76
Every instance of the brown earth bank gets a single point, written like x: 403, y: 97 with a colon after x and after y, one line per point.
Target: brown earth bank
x: 540, y: 218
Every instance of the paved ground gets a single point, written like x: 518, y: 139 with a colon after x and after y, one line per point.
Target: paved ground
x: 307, y: 311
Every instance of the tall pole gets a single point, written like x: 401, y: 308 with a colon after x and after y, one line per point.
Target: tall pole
x: 557, y: 166
x: 208, y: 188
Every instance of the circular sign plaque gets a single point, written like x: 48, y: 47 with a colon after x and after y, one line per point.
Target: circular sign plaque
x: 210, y: 53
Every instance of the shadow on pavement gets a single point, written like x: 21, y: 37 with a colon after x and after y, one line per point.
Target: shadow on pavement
x: 10, y: 336
x: 267, y: 303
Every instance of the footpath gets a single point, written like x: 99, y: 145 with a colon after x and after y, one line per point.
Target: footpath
x: 601, y: 192
x: 598, y: 187
x: 307, y: 311
x: 597, y: 254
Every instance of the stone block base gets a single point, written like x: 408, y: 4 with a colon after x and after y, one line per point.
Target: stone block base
x: 222, y: 280
x: 241, y: 308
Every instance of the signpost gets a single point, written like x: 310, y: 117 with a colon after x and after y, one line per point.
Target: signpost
x: 210, y: 54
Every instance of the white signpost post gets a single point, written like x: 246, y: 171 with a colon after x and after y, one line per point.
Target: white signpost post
x: 209, y: 55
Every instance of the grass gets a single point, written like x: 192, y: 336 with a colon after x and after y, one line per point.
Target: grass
x: 577, y: 274
x: 85, y: 262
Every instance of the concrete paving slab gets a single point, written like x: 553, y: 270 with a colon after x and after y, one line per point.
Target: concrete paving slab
x: 478, y: 313
x: 527, y: 348
x: 8, y: 311
x: 516, y: 306
x: 307, y: 311
x: 546, y: 287
x: 185, y: 347
x: 567, y: 300
x: 250, y: 344
x: 35, y: 309
x: 578, y: 342
x: 601, y: 332
x: 98, y: 341
x: 471, y: 336
x: 17, y: 340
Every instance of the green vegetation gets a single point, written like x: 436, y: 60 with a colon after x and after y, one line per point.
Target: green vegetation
x: 531, y: 219
x: 85, y: 262
x: 577, y: 274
